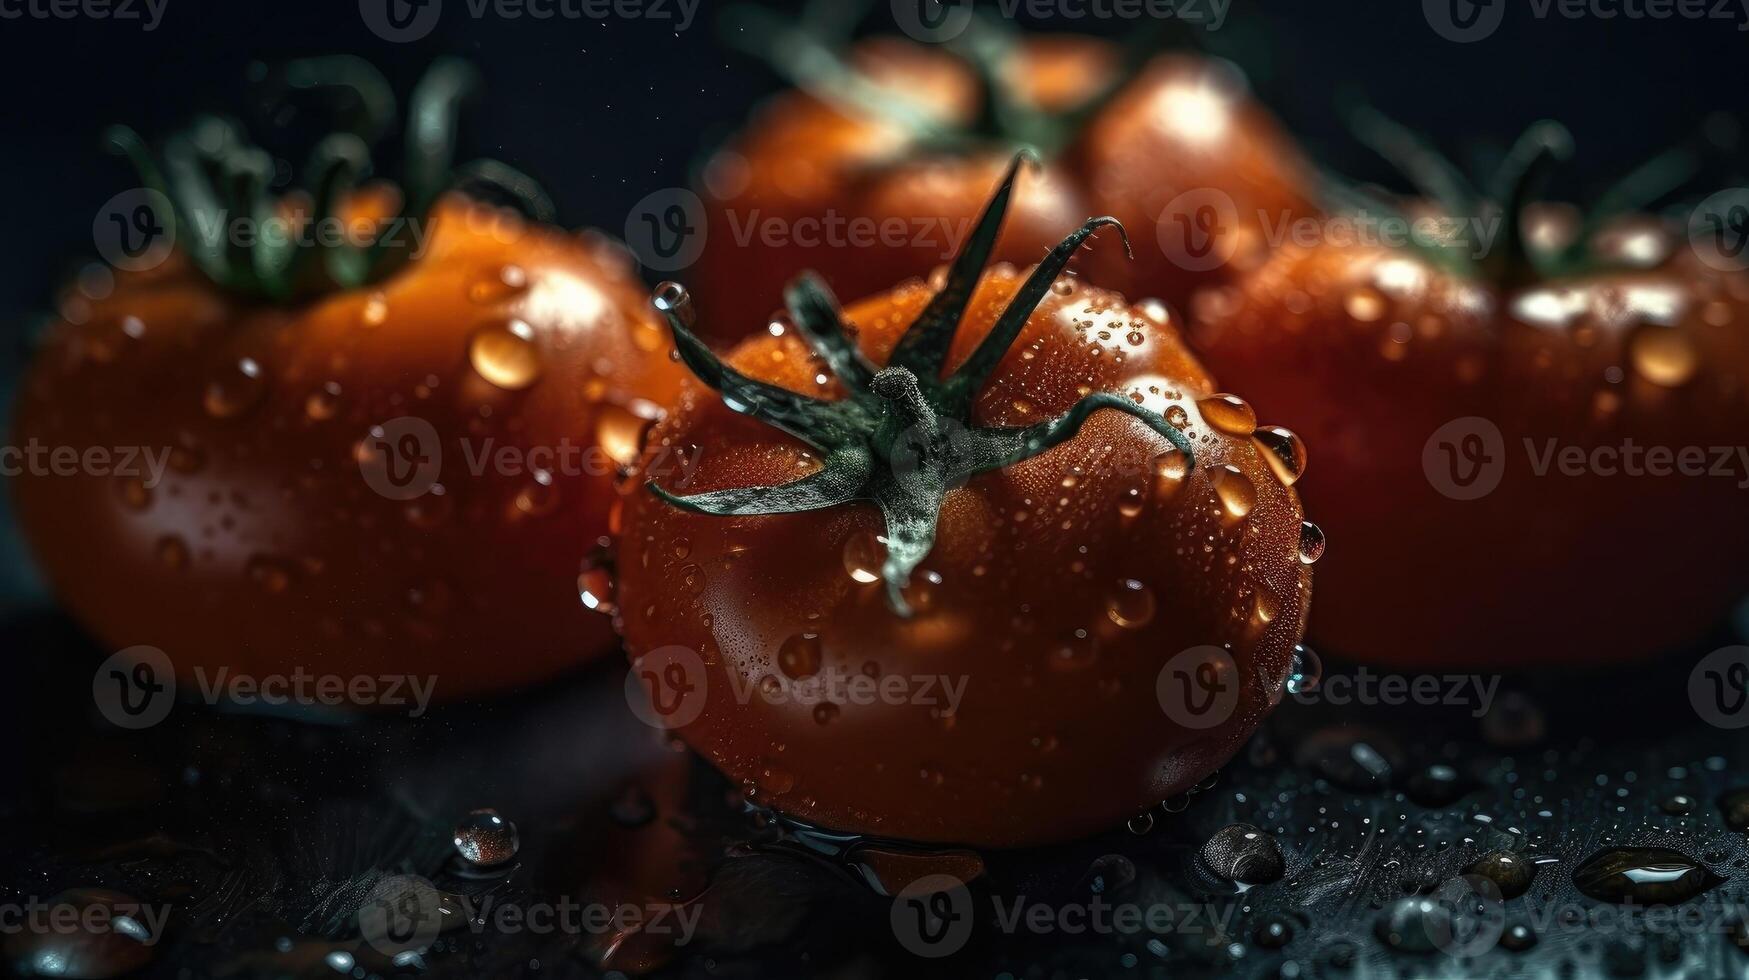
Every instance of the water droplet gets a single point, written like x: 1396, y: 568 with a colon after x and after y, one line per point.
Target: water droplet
x: 1517, y: 938
x: 1229, y: 413
x: 595, y: 583
x: 1171, y: 468
x: 1679, y: 805
x: 1177, y: 416
x: 1406, y: 925
x: 1140, y: 824
x: 1284, y: 452
x: 1512, y: 873
x: 1311, y: 543
x: 235, y: 390
x: 1437, y: 785
x: 672, y: 297
x: 1643, y: 875
x: 800, y: 656
x: 863, y: 556
x: 620, y: 430
x: 1130, y: 604
x: 1243, y: 854
x: 1264, y: 608
x: 1274, y: 933
x: 1234, y: 489
x: 1663, y: 355
x: 1304, y: 670
x: 485, y: 838
x: 505, y: 354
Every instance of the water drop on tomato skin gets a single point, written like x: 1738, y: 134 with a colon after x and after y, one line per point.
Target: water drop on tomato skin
x: 1229, y: 414
x: 1130, y: 604
x: 1285, y: 453
x: 1312, y: 543
x: 484, y: 838
x: 506, y: 354
x: 1235, y: 491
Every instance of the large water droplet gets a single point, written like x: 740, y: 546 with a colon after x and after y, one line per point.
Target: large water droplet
x: 1229, y: 413
x: 1643, y: 875
x: 485, y: 838
x: 1304, y: 671
x: 595, y: 583
x: 1663, y: 355
x: 800, y: 656
x: 505, y: 354
x: 1130, y: 604
x: 1243, y: 854
x: 1284, y: 452
x: 1235, y: 491
x: 1512, y: 873
x: 672, y: 297
x: 1311, y: 543
x: 1171, y: 468
x: 863, y: 557
x: 235, y: 389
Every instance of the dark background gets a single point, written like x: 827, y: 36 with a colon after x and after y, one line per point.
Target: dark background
x: 603, y: 112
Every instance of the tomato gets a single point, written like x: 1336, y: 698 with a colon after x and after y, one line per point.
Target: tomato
x: 1477, y: 424
x: 399, y: 476
x: 873, y: 172
x: 939, y: 627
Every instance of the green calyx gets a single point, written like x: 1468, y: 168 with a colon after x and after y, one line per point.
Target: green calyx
x: 811, y: 54
x: 1489, y: 242
x: 903, y: 437
x: 260, y: 240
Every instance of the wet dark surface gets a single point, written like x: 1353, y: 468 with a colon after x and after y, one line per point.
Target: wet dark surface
x: 265, y: 837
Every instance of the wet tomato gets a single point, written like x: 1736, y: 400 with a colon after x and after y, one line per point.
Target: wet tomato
x: 873, y: 170
x: 1517, y: 442
x: 399, y: 475
x: 954, y: 607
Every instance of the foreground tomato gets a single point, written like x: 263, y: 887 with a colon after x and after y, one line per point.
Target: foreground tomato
x: 399, y: 477
x: 912, y: 616
x: 1499, y: 438
x: 872, y: 172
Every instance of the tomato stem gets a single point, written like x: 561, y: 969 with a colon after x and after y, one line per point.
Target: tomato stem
x: 903, y: 437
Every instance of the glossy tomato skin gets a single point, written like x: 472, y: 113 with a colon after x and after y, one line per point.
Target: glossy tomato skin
x: 802, y: 168
x: 267, y: 545
x: 1057, y: 591
x: 1377, y: 357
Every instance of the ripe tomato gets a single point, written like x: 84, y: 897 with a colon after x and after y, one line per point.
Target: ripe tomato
x: 276, y: 510
x: 872, y: 172
x: 812, y: 646
x: 1479, y: 422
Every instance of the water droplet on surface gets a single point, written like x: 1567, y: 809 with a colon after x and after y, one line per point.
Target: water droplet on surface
x: 595, y: 583
x: 1177, y: 416
x: 1512, y: 873
x: 1305, y: 670
x: 484, y: 838
x: 235, y: 389
x: 1130, y: 604
x: 1274, y: 933
x: 1243, y: 854
x: 1436, y: 785
x: 1171, y: 468
x: 1284, y: 452
x: 1678, y: 805
x: 863, y: 557
x: 340, y: 961
x: 1229, y: 413
x: 1311, y: 543
x: 1407, y: 925
x: 672, y: 297
x: 1140, y: 824
x: 1517, y: 938
x: 506, y: 355
x: 1235, y: 492
x: 1643, y: 875
x: 800, y: 656
x: 1663, y: 355
x: 620, y: 431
